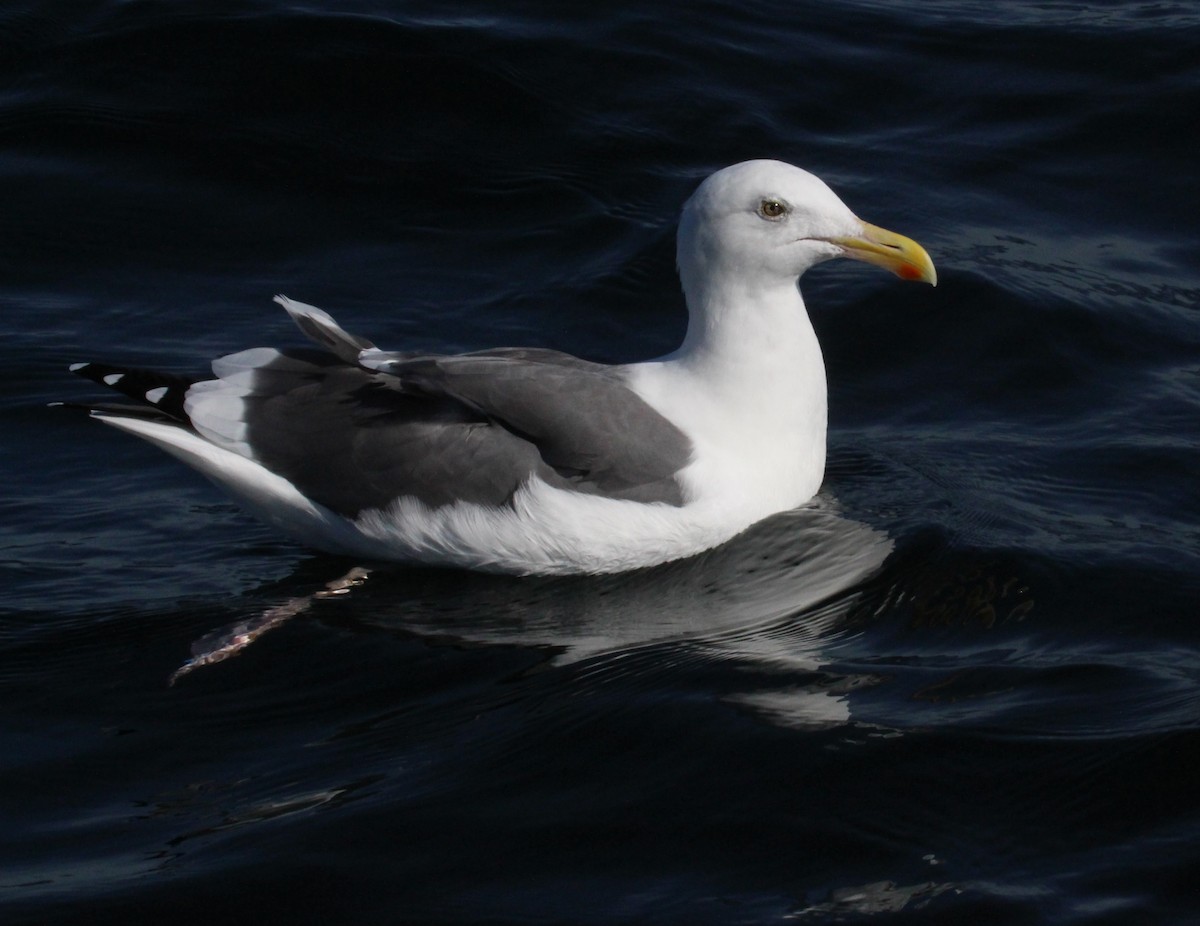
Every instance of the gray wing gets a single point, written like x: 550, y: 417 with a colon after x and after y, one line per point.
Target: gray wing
x: 347, y: 439
x: 585, y: 422
x: 472, y: 427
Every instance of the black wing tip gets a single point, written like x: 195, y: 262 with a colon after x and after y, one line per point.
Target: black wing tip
x: 86, y: 408
x: 162, y: 392
x: 118, y: 410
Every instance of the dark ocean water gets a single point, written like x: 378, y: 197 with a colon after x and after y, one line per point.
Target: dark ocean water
x: 965, y: 687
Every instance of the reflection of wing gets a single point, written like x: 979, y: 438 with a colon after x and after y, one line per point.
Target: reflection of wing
x: 774, y: 600
x: 772, y: 597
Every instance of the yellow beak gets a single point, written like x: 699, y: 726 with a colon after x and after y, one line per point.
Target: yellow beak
x: 903, y: 256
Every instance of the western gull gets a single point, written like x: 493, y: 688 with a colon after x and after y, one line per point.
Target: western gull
x: 531, y: 461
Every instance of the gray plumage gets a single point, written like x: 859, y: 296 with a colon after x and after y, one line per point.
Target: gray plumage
x: 442, y: 429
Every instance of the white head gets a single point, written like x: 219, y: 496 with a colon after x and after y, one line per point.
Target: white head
x: 766, y: 222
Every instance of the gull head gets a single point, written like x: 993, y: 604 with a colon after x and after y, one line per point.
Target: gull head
x: 766, y: 222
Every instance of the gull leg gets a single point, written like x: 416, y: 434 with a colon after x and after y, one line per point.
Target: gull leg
x: 229, y: 641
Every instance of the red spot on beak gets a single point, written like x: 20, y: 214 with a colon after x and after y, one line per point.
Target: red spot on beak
x: 908, y: 272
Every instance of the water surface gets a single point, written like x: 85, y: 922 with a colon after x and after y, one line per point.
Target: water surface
x: 962, y: 686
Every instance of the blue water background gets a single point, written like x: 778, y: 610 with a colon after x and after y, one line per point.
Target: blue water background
x: 964, y: 688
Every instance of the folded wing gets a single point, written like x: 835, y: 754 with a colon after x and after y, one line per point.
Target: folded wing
x: 356, y: 427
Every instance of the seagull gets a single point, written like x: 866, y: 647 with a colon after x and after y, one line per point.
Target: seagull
x: 530, y: 461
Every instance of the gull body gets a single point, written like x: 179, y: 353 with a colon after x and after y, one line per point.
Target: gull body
x: 531, y: 461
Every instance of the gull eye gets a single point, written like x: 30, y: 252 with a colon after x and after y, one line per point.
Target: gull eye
x: 771, y: 208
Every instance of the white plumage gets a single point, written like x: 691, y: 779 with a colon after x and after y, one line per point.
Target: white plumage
x: 687, y: 450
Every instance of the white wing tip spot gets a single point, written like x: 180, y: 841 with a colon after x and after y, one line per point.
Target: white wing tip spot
x: 155, y: 395
x: 76, y: 367
x: 113, y: 378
